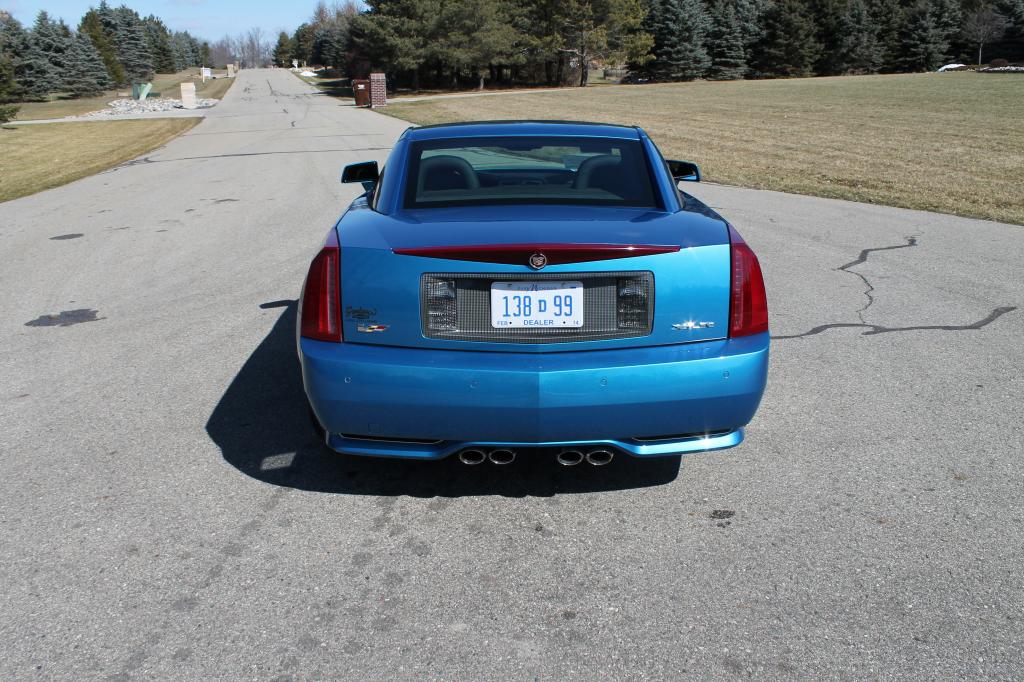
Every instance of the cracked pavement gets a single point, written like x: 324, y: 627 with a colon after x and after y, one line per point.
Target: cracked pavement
x: 869, y: 289
x: 863, y: 258
x: 168, y: 514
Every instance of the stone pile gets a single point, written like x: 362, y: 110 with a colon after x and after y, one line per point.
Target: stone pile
x: 131, y: 106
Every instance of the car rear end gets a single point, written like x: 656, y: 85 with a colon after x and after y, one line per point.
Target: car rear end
x: 484, y: 330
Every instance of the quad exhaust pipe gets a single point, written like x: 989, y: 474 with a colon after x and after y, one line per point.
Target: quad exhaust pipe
x: 501, y: 456
x: 567, y: 458
x: 597, y: 458
x: 473, y: 456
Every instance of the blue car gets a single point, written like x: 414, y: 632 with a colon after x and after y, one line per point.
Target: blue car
x: 509, y: 289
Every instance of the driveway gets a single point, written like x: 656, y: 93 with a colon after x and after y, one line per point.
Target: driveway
x: 166, y: 511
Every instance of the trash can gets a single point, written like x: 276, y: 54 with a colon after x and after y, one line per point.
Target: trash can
x: 361, y: 91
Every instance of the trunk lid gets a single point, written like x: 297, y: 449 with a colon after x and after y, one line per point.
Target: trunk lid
x: 673, y: 287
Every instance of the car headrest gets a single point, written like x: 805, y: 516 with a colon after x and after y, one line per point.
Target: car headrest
x: 590, y: 172
x: 446, y: 172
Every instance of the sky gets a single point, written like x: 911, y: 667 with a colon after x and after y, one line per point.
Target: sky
x: 208, y: 19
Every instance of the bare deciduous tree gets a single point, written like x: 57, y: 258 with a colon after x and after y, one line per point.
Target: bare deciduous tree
x: 984, y: 26
x: 222, y: 52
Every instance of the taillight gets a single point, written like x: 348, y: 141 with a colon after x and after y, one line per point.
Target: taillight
x: 441, y: 296
x: 748, y: 304
x: 321, y: 298
x: 632, y: 302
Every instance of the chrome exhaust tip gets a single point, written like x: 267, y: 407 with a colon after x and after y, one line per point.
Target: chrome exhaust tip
x: 502, y: 456
x: 472, y: 457
x: 599, y: 458
x: 569, y: 458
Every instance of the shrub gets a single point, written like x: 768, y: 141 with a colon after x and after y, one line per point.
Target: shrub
x: 999, y: 63
x: 7, y: 113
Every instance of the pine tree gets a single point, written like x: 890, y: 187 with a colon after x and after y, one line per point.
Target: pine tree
x: 922, y: 42
x: 887, y: 17
x: 827, y: 16
x: 749, y: 15
x: 32, y: 73
x: 195, y: 50
x: 859, y: 51
x: 329, y: 44
x: 186, y: 50
x: 132, y: 48
x: 92, y: 26
x: 725, y: 44
x: 283, y: 50
x: 7, y: 85
x: 680, y: 29
x: 1011, y: 46
x: 790, y: 46
x: 948, y: 19
x: 303, y: 39
x: 12, y: 38
x: 50, y: 39
x: 158, y: 39
x: 29, y: 63
x: 86, y: 73
x: 8, y: 88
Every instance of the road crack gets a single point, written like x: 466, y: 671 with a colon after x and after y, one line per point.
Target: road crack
x: 862, y: 258
x: 873, y: 329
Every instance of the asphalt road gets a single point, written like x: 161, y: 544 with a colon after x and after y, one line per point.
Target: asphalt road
x: 167, y: 513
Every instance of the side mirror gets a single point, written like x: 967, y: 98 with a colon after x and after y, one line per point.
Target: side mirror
x: 684, y: 171
x: 365, y: 172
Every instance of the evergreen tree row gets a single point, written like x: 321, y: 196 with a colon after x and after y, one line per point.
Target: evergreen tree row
x: 727, y: 39
x: 450, y: 43
x: 112, y: 47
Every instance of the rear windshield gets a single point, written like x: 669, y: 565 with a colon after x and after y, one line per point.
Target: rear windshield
x: 528, y: 170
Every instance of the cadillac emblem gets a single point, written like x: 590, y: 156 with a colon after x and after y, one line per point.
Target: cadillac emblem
x: 538, y: 261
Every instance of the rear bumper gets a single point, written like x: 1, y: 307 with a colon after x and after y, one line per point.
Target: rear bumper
x: 644, y: 402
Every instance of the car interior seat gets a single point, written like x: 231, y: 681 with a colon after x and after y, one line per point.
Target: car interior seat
x: 601, y: 172
x: 446, y: 172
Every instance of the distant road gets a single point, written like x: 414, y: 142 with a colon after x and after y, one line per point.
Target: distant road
x: 168, y: 514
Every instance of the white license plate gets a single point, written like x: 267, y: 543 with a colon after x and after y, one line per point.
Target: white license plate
x: 537, y: 305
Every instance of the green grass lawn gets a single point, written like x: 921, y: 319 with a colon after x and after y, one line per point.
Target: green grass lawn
x: 38, y: 157
x: 167, y: 84
x: 952, y: 143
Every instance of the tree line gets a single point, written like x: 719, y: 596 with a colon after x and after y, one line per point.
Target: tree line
x: 455, y: 43
x: 111, y: 47
x: 250, y: 49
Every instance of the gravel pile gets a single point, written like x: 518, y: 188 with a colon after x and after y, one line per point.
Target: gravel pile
x: 131, y: 106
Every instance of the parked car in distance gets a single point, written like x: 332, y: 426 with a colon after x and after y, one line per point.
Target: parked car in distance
x: 509, y: 289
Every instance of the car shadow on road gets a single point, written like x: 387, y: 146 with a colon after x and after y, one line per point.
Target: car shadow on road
x: 263, y: 429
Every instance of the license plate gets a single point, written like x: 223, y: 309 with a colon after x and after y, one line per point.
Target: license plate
x: 537, y: 304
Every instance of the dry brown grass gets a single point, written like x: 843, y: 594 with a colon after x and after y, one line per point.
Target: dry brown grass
x: 951, y: 143
x: 38, y: 157
x: 167, y: 84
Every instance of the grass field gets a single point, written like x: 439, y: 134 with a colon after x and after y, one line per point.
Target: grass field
x: 38, y: 157
x: 167, y: 84
x: 951, y: 143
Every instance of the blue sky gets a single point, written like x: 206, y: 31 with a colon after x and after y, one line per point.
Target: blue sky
x: 210, y: 19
